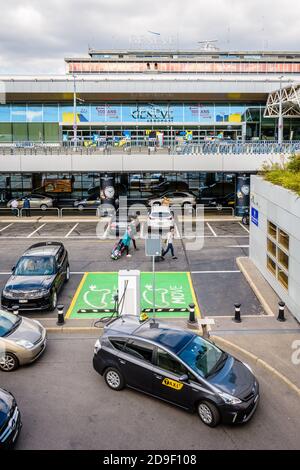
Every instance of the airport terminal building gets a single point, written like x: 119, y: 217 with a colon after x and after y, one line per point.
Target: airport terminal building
x: 194, y: 119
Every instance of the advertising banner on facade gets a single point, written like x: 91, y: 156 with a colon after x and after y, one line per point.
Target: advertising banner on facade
x: 58, y: 185
x: 242, y: 194
x: 135, y: 113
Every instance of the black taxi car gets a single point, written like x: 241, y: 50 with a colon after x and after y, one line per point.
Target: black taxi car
x: 177, y: 366
x: 10, y: 420
x: 37, y: 277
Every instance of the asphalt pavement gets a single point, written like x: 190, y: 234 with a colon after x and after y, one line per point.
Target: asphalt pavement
x: 210, y: 257
x: 65, y: 404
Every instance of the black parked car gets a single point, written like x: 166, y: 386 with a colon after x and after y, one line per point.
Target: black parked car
x: 176, y: 366
x: 10, y: 419
x: 37, y: 278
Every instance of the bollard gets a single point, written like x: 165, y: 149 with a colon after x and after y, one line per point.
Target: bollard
x: 60, y: 315
x: 281, y: 306
x: 237, y: 313
x: 15, y: 309
x: 192, y: 320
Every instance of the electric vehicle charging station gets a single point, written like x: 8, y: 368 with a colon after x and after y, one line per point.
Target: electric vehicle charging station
x: 129, y: 292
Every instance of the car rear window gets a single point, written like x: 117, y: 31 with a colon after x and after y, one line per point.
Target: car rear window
x: 161, y: 215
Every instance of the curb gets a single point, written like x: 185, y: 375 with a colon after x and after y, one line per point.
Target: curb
x: 73, y: 329
x: 257, y: 292
x: 260, y: 362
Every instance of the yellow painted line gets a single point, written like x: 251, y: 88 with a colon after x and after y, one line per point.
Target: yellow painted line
x: 197, y: 308
x: 70, y: 309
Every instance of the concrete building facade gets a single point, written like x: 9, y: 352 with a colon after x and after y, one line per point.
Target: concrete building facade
x: 275, y: 239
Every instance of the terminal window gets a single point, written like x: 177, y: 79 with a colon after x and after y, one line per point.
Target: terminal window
x: 278, y: 253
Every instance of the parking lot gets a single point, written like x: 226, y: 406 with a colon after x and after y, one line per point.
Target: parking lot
x: 207, y: 250
x: 65, y: 404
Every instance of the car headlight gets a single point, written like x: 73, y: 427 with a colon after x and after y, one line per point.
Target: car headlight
x: 97, y: 346
x: 24, y: 343
x: 248, y: 367
x: 229, y: 399
x: 37, y: 293
x: 8, y: 294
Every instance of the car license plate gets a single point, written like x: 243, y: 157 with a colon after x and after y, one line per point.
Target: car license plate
x: 23, y: 301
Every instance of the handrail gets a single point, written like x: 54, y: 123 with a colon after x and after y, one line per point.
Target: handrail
x: 44, y: 211
x: 203, y: 148
x: 14, y: 211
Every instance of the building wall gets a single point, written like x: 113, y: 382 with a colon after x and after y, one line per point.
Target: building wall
x: 135, y: 162
x: 282, y: 208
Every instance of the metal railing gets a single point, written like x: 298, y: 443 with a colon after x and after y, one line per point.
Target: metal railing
x: 36, y: 211
x: 235, y: 148
x: 135, y: 147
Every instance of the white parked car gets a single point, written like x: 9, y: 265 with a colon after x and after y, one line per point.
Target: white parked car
x: 177, y: 198
x: 160, y: 217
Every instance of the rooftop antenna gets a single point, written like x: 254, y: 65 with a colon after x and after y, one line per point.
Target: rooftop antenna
x: 208, y: 45
x: 154, y: 32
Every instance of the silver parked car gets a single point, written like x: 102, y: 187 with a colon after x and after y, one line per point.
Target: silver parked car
x: 176, y: 198
x: 37, y: 201
x: 22, y: 340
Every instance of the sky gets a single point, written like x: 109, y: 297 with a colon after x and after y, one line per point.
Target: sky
x: 36, y: 35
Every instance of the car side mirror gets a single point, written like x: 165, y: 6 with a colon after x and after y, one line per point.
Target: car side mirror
x: 183, y: 378
x: 13, y: 269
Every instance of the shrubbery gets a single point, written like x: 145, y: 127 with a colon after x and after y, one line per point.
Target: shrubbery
x: 286, y: 174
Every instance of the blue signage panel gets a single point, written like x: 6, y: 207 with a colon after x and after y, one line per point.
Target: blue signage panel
x: 254, y: 216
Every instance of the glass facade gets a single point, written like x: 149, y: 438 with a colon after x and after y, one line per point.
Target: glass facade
x: 135, y: 121
x: 137, y: 187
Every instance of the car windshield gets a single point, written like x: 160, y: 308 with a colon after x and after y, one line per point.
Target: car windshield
x: 203, y: 357
x: 35, y: 266
x: 8, y: 323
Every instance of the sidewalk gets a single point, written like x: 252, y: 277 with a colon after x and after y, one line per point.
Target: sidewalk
x: 264, y: 337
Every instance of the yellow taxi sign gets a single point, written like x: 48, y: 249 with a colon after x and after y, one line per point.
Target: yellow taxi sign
x: 172, y: 384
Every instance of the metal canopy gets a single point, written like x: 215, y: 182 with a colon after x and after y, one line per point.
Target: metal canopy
x: 288, y: 98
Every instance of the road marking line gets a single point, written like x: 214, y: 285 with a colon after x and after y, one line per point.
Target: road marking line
x: 4, y: 228
x: 211, y: 229
x: 78, y: 290
x: 214, y: 272
x: 243, y: 226
x: 39, y: 228
x: 70, y: 231
x: 197, y: 308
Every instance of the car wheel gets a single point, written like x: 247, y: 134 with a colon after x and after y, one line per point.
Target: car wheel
x: 80, y: 207
x: 219, y: 207
x: 8, y: 362
x: 67, y: 273
x: 208, y: 413
x: 114, y: 379
x: 44, y: 207
x: 53, y: 301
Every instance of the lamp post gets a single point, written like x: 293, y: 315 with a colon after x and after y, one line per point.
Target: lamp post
x: 280, y: 118
x: 74, y: 115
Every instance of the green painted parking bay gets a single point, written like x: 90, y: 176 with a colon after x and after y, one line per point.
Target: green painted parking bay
x: 94, y: 297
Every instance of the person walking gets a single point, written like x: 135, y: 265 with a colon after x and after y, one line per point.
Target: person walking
x: 169, y: 244
x: 126, y: 241
x: 26, y: 206
x: 14, y: 207
x: 132, y: 232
